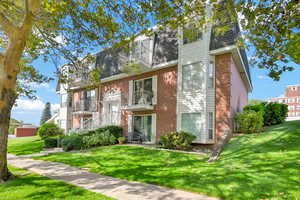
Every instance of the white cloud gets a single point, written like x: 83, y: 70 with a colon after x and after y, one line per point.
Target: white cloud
x: 24, y: 106
x: 35, y: 85
x: 262, y: 77
x: 29, y: 105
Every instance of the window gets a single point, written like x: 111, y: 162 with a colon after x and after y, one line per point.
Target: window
x: 192, y: 123
x: 192, y: 77
x: 210, y: 83
x: 142, y: 126
x: 210, y: 125
x: 64, y: 100
x: 142, y: 91
x: 191, y: 34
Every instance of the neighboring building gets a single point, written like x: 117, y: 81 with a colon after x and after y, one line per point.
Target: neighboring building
x: 193, y: 85
x: 26, y: 130
x: 291, y: 98
x: 54, y: 119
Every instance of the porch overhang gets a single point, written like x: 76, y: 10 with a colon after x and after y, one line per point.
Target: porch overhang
x: 138, y: 107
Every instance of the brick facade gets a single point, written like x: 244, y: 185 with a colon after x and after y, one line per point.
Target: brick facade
x: 223, y: 89
x: 291, y: 98
x: 165, y: 108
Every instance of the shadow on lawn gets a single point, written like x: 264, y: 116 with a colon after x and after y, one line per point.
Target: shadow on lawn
x: 258, y: 166
x: 38, y: 187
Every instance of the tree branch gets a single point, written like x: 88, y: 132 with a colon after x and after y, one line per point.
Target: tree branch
x: 31, y: 8
x: 6, y: 25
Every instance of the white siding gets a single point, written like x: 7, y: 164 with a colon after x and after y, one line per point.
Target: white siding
x: 154, y: 88
x: 195, y: 101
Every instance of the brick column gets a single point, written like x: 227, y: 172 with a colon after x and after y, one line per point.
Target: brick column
x: 223, y: 85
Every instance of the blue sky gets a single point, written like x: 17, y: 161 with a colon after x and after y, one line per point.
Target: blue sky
x: 30, y: 111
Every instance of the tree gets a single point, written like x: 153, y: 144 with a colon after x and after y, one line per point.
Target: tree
x: 68, y: 29
x: 46, y: 115
x: 71, y: 28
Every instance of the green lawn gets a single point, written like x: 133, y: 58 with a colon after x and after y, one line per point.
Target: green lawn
x: 258, y: 166
x: 33, y: 187
x: 25, y: 145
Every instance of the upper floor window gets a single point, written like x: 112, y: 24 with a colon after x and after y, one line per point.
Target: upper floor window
x: 293, y: 88
x: 191, y: 34
x: 143, y: 91
x: 64, y: 100
x: 192, y: 76
x: 210, y: 83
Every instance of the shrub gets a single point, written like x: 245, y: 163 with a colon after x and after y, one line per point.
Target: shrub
x: 114, y: 130
x: 249, y: 121
x: 99, y: 138
x: 257, y: 108
x: 72, y: 142
x: 275, y: 113
x: 49, y: 130
x: 121, y: 139
x: 50, y: 142
x: 177, y: 140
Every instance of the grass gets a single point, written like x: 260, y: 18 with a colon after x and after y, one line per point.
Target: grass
x: 32, y: 187
x: 25, y: 145
x: 255, y: 166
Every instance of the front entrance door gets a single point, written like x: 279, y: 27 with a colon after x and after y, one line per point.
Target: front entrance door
x: 142, y: 124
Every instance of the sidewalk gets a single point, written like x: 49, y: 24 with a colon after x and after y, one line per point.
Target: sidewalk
x: 112, y: 187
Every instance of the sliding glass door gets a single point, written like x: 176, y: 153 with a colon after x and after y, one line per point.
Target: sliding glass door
x: 142, y: 125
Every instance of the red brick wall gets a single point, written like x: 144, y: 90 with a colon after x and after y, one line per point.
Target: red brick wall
x: 166, y: 98
x: 223, y: 89
x: 25, y: 132
x: 291, y: 93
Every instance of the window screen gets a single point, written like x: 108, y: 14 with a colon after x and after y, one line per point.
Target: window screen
x: 192, y: 76
x: 192, y: 123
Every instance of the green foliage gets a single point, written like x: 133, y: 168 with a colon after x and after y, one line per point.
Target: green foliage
x: 30, y: 186
x: 25, y: 145
x: 260, y: 107
x: 249, y: 121
x: 49, y: 130
x: 255, y: 102
x: 275, y: 113
x: 51, y: 142
x: 252, y: 166
x: 46, y: 115
x: 13, y: 124
x: 72, y: 142
x: 99, y: 138
x: 177, y: 140
x: 121, y: 139
x: 114, y: 130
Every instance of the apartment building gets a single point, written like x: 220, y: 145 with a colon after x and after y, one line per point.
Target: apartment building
x: 291, y: 98
x: 196, y: 85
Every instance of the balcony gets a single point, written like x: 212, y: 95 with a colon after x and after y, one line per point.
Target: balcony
x: 142, y: 100
x: 85, y: 107
x: 139, y: 56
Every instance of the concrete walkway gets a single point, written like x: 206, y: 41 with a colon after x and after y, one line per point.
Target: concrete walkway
x: 112, y: 187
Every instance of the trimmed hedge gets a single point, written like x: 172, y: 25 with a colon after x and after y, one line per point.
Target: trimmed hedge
x: 273, y: 113
x: 106, y: 135
x: 177, y: 140
x: 50, y: 142
x: 249, y: 121
x: 72, y: 142
x: 99, y: 138
x: 48, y: 130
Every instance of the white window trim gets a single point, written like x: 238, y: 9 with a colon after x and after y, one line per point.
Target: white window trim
x: 153, y: 125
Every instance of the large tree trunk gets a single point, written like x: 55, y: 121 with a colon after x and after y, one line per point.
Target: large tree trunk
x: 8, y: 97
